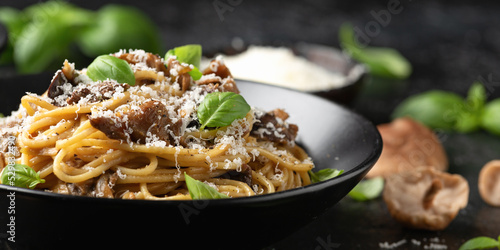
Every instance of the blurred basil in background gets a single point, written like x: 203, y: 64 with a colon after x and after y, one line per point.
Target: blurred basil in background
x: 42, y: 35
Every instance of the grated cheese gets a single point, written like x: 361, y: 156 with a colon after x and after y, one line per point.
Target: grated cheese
x: 280, y: 66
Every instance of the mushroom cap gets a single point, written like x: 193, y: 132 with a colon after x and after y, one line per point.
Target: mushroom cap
x: 408, y: 144
x: 425, y: 198
x: 489, y: 183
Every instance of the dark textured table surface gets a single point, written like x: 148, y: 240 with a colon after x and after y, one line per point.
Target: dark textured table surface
x: 450, y: 45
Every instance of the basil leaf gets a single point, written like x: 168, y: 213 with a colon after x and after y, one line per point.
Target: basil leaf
x: 367, y: 189
x: 199, y: 190
x: 118, y: 27
x: 324, y: 174
x: 40, y: 44
x: 220, y: 109
x: 20, y: 176
x: 490, y: 120
x: 469, y: 119
x: 110, y: 67
x: 44, y: 39
x: 384, y: 62
x: 476, y: 97
x: 15, y: 21
x: 436, y: 109
x: 481, y: 242
x: 195, y: 73
x: 190, y: 54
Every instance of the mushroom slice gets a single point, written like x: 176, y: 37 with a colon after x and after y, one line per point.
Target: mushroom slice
x: 489, y: 183
x: 425, y: 198
x: 407, y: 145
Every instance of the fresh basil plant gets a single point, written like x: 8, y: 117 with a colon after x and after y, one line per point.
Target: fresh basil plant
x: 448, y: 111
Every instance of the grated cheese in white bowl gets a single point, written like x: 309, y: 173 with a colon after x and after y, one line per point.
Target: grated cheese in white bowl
x: 280, y: 66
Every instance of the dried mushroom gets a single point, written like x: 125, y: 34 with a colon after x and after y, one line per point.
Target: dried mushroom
x: 425, y: 198
x: 407, y: 144
x: 489, y: 183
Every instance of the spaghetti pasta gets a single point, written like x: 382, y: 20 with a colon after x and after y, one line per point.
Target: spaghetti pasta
x: 106, y: 139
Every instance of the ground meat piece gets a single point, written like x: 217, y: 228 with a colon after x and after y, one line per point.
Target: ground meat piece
x: 271, y: 127
x: 212, y: 83
x: 218, y: 77
x: 55, y: 88
x: 218, y: 68
x: 136, y: 125
x: 151, y: 60
x: 104, y: 185
x: 245, y: 175
x: 95, y: 93
x: 96, y: 187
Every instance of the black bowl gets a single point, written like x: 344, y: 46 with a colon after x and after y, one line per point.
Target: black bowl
x: 333, y: 136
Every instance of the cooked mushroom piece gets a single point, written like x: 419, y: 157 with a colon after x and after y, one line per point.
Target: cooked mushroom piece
x: 407, y: 144
x: 489, y: 183
x: 425, y: 198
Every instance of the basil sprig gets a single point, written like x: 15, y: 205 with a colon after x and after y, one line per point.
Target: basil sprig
x: 199, y: 190
x: 385, y: 62
x: 324, y: 174
x: 220, y: 109
x: 42, y: 35
x: 110, y: 67
x: 190, y: 54
x: 448, y: 111
x: 20, y: 175
x: 481, y: 242
x: 368, y: 189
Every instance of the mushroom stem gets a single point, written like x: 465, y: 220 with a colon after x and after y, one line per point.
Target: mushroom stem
x: 431, y: 193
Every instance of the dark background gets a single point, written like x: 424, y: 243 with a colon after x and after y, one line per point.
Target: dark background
x: 450, y: 44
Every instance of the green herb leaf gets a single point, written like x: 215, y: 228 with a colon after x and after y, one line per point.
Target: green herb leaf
x: 190, y: 54
x: 436, y: 109
x: 324, y: 174
x: 195, y: 73
x: 20, y: 176
x: 109, y: 67
x: 220, y: 109
x: 40, y: 44
x: 480, y: 243
x: 476, y: 97
x: 119, y: 27
x: 44, y: 33
x: 367, y: 189
x: 15, y: 21
x: 199, y: 190
x: 384, y: 62
x: 490, y: 120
